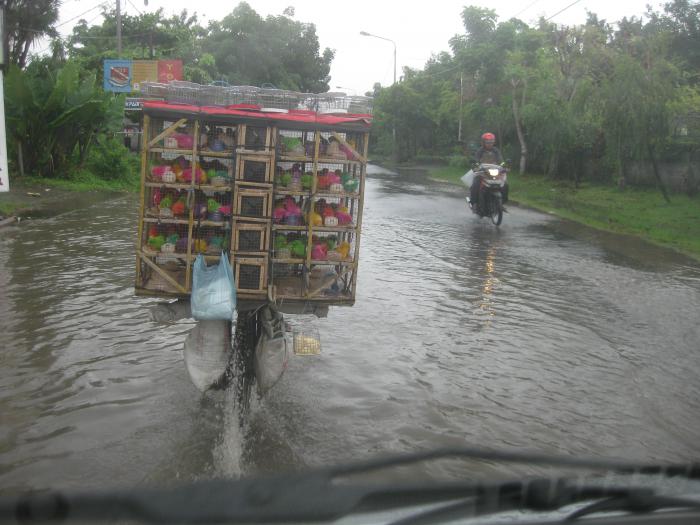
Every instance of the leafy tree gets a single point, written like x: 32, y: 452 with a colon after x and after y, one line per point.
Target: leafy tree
x: 680, y: 20
x: 145, y: 36
x: 277, y: 50
x: 636, y: 107
x: 26, y: 21
x: 243, y: 48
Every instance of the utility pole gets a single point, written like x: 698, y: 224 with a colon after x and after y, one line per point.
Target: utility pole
x: 4, y: 176
x: 119, y: 30
x: 393, y: 128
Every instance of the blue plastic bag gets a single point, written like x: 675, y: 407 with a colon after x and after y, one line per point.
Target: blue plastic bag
x: 213, y: 290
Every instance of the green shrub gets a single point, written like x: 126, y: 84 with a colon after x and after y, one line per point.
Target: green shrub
x: 109, y: 159
x: 459, y: 161
x: 423, y: 158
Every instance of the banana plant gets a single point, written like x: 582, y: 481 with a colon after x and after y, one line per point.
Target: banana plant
x: 54, y: 115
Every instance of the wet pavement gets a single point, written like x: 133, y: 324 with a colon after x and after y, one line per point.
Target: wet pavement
x: 539, y: 335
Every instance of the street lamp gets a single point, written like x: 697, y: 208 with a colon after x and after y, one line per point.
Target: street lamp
x: 393, y: 128
x: 346, y: 89
x: 365, y: 33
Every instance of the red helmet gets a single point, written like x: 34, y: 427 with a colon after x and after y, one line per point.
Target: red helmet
x: 488, y: 137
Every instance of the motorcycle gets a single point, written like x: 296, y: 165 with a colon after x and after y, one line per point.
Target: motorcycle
x: 493, y: 178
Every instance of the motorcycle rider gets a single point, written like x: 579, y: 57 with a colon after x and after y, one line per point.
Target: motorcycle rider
x: 488, y: 153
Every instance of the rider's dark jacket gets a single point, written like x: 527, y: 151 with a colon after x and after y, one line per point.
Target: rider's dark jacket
x: 488, y: 156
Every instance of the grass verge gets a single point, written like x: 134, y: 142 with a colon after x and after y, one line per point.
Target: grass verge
x: 637, y: 211
x: 54, y: 191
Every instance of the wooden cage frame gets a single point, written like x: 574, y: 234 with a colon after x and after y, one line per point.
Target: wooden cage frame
x: 355, y: 164
x: 241, y: 226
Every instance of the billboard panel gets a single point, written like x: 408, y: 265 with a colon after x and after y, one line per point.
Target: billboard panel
x: 144, y: 71
x: 125, y: 76
x: 117, y: 76
x: 169, y: 70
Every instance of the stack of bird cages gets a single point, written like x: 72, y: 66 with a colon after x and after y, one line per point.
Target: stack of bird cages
x: 214, y: 96
x: 252, y: 211
x: 319, y: 175
x: 359, y: 105
x: 270, y: 98
x: 247, y: 95
x: 186, y: 204
x: 282, y: 197
x: 274, y: 98
x: 184, y: 92
x: 307, y: 101
x: 333, y: 103
x: 154, y: 89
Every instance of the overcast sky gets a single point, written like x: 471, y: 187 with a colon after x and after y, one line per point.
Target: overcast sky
x: 419, y: 29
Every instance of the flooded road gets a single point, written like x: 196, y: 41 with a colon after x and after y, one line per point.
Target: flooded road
x: 540, y: 335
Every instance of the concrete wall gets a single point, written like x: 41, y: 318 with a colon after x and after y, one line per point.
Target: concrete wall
x: 676, y: 176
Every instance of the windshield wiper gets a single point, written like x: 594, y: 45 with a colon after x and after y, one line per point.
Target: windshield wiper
x: 317, y: 496
x: 545, y: 495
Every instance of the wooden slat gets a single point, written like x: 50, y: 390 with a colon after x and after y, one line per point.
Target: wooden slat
x: 360, y: 209
x: 142, y: 206
x: 361, y: 158
x: 309, y: 242
x: 169, y: 131
x: 325, y: 283
x: 188, y: 270
x: 161, y: 272
x: 184, y: 186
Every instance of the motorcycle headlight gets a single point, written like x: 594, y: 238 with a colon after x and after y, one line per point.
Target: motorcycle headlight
x: 493, y: 172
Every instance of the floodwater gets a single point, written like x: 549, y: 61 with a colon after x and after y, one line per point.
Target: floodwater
x: 540, y: 335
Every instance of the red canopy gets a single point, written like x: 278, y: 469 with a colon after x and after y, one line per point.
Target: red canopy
x: 249, y: 111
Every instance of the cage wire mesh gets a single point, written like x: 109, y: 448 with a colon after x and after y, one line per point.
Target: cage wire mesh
x: 217, y: 137
x: 252, y: 205
x: 289, y: 245
x: 213, y: 96
x: 159, y: 244
x: 243, y: 95
x: 184, y: 92
x: 154, y: 89
x: 255, y: 171
x: 255, y: 138
x: 305, y: 335
x: 333, y: 102
x: 250, y: 273
x: 360, y: 105
x: 290, y: 280
x: 291, y: 142
x: 250, y: 240
x: 211, y: 240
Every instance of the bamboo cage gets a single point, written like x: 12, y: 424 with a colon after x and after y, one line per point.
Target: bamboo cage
x: 282, y: 197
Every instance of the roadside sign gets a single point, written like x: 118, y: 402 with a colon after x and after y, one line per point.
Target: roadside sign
x: 133, y: 104
x: 126, y: 76
x: 117, y: 76
x: 169, y: 70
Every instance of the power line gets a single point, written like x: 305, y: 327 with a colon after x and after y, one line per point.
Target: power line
x: 524, y: 9
x: 560, y: 12
x: 132, y: 5
x: 93, y: 19
x: 88, y: 37
x: 81, y: 14
x: 440, y: 72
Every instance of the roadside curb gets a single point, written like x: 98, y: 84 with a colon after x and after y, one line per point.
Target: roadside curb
x: 9, y: 220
